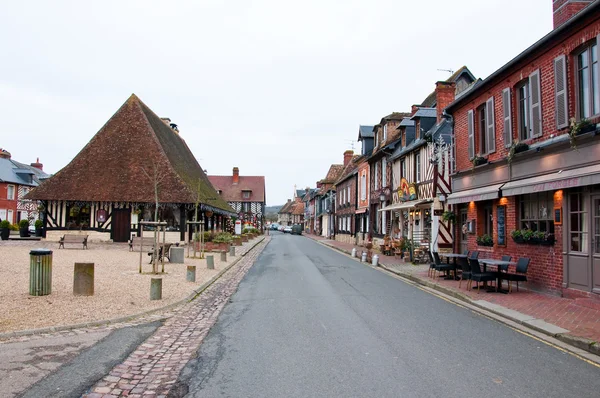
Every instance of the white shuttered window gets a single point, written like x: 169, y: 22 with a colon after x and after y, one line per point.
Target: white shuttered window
x: 491, y: 125
x: 536, y: 103
x: 507, y: 117
x: 471, y: 130
x: 560, y: 92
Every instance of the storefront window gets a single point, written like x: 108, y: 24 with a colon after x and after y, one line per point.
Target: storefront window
x: 536, y: 212
x: 78, y: 217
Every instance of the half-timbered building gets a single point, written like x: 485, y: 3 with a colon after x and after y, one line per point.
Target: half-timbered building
x: 345, y: 200
x: 134, y: 161
x: 245, y: 194
x: 365, y: 137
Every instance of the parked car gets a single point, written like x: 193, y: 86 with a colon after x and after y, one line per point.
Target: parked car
x: 287, y: 230
x: 281, y: 228
x: 274, y: 227
x: 296, y: 229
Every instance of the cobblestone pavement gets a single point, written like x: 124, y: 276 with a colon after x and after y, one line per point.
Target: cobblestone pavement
x: 153, y: 369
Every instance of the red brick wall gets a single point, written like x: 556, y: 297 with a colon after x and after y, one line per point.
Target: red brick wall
x: 565, y: 10
x: 364, y: 167
x: 8, y: 204
x: 545, y: 269
x: 346, y: 210
x: 519, y: 73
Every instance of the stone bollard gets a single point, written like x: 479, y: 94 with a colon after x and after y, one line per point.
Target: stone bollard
x: 156, y: 289
x: 375, y: 260
x: 83, y: 279
x: 191, y: 273
x: 224, y: 256
x: 210, y: 262
x: 232, y: 251
x: 176, y: 255
x: 354, y: 252
x: 40, y: 272
x: 363, y: 257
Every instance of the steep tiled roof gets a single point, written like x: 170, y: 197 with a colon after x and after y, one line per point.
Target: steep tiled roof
x: 286, y: 208
x: 333, y: 174
x: 406, y: 122
x: 431, y: 99
x: 298, y: 208
x: 110, y: 168
x: 394, y: 116
x: 349, y: 169
x: 425, y: 112
x: 234, y: 192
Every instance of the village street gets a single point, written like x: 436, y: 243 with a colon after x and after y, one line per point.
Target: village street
x: 308, y: 321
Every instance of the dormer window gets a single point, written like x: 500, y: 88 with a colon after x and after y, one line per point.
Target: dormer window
x: 246, y: 194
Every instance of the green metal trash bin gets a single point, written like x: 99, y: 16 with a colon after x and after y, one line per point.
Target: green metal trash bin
x: 40, y: 272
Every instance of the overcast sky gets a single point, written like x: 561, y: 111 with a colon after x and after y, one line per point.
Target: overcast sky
x: 275, y: 87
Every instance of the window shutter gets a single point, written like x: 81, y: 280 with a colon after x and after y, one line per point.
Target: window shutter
x: 491, y: 125
x: 536, y: 104
x: 507, y: 117
x: 560, y: 92
x: 470, y: 128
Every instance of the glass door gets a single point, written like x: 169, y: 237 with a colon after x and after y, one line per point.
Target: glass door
x: 464, y: 244
x: 596, y: 244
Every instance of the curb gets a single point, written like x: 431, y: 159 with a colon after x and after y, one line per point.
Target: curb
x: 192, y: 296
x: 582, y: 343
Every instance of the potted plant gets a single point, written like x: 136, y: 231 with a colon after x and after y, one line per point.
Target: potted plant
x: 576, y: 128
x: 485, y: 240
x: 479, y: 160
x: 4, y: 229
x: 517, y: 235
x: 24, y: 228
x: 39, y: 224
x: 516, y: 147
x: 449, y: 216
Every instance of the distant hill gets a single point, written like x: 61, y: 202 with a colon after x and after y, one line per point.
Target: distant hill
x: 273, y: 209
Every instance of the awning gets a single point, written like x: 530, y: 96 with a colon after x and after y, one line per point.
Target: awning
x: 474, y: 195
x: 404, y: 205
x: 589, y: 175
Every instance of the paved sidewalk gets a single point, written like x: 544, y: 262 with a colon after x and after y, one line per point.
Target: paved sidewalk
x: 574, y: 321
x: 152, y: 370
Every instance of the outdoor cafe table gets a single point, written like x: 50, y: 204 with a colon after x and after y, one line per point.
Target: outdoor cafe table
x: 497, y: 263
x: 454, y: 256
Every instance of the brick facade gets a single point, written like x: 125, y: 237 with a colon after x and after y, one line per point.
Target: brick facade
x: 549, y: 267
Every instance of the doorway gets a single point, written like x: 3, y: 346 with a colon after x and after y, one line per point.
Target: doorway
x: 464, y: 239
x: 583, y: 241
x: 121, y: 225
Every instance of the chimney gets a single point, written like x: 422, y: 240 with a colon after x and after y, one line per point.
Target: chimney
x: 564, y: 10
x: 236, y: 175
x: 414, y: 109
x: 444, y: 94
x: 4, y: 154
x: 348, y: 155
x: 38, y: 165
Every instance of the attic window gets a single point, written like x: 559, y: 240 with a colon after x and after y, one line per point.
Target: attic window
x: 246, y: 194
x: 219, y: 191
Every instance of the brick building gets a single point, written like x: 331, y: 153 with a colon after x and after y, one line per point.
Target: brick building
x: 527, y: 170
x: 365, y: 137
x: 345, y: 199
x: 16, y: 179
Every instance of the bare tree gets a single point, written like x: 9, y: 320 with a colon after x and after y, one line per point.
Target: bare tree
x: 156, y: 176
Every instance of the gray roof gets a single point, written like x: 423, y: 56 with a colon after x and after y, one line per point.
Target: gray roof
x: 14, y: 172
x: 443, y: 128
x: 407, y: 122
x: 365, y: 132
x: 425, y: 112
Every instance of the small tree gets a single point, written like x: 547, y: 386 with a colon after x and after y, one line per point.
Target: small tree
x: 155, y: 175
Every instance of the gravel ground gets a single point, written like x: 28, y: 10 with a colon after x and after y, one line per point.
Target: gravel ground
x: 119, y: 290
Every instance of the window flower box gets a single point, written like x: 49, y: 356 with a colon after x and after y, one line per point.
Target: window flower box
x: 485, y: 240
x: 527, y: 236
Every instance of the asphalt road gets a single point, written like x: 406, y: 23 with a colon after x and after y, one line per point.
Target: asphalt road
x: 310, y: 322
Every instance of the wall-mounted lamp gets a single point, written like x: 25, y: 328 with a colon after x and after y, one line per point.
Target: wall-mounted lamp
x: 381, y: 197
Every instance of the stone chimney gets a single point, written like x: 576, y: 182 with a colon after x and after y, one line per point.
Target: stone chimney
x: 236, y: 175
x: 4, y: 154
x: 414, y: 109
x: 38, y: 165
x: 444, y: 94
x: 348, y: 155
x: 564, y: 10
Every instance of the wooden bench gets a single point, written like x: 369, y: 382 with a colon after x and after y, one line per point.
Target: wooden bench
x: 71, y: 238
x: 136, y: 242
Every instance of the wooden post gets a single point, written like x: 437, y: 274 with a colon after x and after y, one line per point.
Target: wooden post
x: 83, y: 279
x: 156, y: 289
